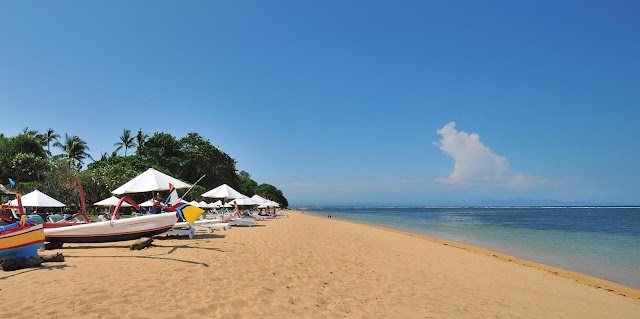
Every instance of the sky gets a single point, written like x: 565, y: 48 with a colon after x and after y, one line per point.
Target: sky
x: 436, y: 103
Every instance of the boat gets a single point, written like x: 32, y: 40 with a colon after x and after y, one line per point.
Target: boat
x: 19, y: 239
x: 122, y: 229
x: 115, y: 229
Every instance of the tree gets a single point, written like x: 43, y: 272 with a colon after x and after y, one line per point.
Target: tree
x: 74, y: 148
x: 28, y: 167
x: 34, y: 133
x: 126, y: 141
x: 11, y: 147
x: 246, y: 185
x: 109, y: 173
x: 48, y: 137
x: 271, y: 192
x: 141, y: 138
x: 164, y: 150
x: 200, y: 158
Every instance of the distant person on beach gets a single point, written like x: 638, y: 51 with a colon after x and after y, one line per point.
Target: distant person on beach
x: 236, y: 211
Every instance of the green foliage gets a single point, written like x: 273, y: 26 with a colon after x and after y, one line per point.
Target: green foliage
x: 126, y: 141
x: 74, y: 148
x: 110, y: 173
x: 11, y: 147
x: 141, y: 138
x: 28, y: 167
x: 48, y: 137
x: 165, y: 151
x: 195, y: 193
x: 24, y: 159
x: 246, y: 185
x: 200, y: 158
x: 271, y: 192
x: 60, y: 183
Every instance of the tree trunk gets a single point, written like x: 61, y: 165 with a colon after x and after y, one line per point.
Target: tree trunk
x: 29, y: 262
x: 142, y: 243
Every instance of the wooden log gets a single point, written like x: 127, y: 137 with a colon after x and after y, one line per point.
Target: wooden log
x: 142, y: 243
x: 51, y: 246
x: 29, y: 262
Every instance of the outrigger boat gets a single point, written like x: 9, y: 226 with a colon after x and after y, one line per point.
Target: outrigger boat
x: 121, y: 229
x: 19, y: 239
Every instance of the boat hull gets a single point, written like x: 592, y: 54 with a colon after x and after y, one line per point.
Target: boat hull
x: 21, y: 243
x: 112, y: 231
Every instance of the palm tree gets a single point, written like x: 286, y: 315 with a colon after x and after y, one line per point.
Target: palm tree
x: 34, y: 133
x: 141, y: 138
x: 126, y: 141
x: 74, y: 148
x: 115, y: 152
x: 48, y: 137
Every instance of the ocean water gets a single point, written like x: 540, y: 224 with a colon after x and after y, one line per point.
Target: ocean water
x: 598, y: 241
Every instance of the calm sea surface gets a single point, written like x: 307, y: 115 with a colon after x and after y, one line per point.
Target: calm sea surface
x: 599, y: 241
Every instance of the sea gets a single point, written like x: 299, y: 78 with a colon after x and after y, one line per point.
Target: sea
x: 598, y: 241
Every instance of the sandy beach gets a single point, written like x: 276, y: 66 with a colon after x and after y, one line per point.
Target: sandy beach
x: 305, y: 266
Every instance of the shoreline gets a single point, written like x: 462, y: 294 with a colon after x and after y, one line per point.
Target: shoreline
x: 592, y: 281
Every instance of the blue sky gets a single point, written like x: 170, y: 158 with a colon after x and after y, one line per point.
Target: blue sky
x: 349, y: 102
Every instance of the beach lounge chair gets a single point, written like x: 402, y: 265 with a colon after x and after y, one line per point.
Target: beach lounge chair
x: 55, y: 218
x: 180, y: 232
x: 248, y: 222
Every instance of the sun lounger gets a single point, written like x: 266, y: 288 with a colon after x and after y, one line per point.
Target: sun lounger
x: 221, y: 226
x: 248, y: 222
x: 180, y: 231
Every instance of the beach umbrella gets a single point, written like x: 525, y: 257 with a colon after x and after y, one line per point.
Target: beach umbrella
x: 223, y: 191
x: 111, y: 201
x: 244, y: 201
x: 38, y: 199
x: 203, y: 204
x: 149, y: 181
x: 259, y: 199
x: 148, y: 203
x: 216, y: 204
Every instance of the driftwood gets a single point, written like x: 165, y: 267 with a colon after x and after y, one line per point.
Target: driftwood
x: 29, y: 262
x: 142, y: 243
x: 51, y: 246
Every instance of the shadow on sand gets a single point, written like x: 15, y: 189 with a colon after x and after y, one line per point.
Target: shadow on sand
x: 24, y: 271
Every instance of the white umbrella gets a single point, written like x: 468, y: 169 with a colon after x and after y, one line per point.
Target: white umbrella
x: 111, y: 201
x: 216, y: 204
x: 150, y: 180
x: 270, y: 203
x: 259, y: 199
x: 223, y: 191
x: 148, y: 203
x: 203, y: 204
x: 38, y: 199
x: 244, y: 201
x: 194, y: 203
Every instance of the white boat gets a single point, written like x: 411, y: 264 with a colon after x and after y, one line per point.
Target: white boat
x: 113, y: 230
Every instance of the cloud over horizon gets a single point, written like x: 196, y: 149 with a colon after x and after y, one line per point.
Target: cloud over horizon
x: 476, y: 163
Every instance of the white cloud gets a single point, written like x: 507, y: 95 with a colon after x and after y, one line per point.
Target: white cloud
x: 476, y: 163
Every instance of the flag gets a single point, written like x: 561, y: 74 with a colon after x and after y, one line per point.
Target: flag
x: 188, y: 213
x: 172, y: 193
x: 12, y: 183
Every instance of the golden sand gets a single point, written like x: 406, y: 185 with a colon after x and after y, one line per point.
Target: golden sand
x: 305, y: 267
